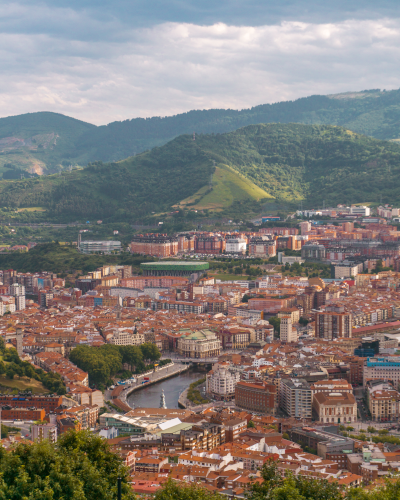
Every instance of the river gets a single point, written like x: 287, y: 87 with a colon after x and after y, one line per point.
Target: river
x: 149, y: 397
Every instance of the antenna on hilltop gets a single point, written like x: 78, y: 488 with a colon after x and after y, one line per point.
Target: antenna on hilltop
x: 194, y: 136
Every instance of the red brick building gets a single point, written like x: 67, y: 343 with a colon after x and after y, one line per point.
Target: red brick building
x: 210, y: 244
x: 158, y: 245
x: 23, y: 414
x: 256, y: 396
x: 48, y: 403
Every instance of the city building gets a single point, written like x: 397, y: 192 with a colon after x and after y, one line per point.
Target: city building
x: 199, y: 344
x: 105, y: 247
x: 210, y: 244
x: 236, y: 246
x: 288, y: 332
x: 328, y: 386
x: 18, y: 292
x: 44, y: 431
x: 256, y: 396
x: 158, y: 245
x: 313, y: 251
x: 360, y: 211
x: 126, y: 338
x: 382, y: 368
x: 335, y: 407
x: 221, y: 383
x: 295, y: 397
x: 262, y: 246
x: 333, y: 324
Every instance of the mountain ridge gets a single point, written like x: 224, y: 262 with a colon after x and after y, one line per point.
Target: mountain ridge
x: 370, y: 112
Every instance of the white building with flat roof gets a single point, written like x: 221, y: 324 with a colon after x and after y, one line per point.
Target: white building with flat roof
x: 236, y: 245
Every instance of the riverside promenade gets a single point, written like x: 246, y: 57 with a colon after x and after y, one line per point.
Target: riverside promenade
x: 120, y: 394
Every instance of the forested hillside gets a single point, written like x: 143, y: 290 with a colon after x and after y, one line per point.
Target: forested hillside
x: 371, y: 113
x: 47, y: 142
x: 288, y: 162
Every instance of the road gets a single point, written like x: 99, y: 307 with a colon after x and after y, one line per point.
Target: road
x: 24, y: 426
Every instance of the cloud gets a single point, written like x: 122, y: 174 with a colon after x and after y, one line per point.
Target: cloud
x: 115, y: 72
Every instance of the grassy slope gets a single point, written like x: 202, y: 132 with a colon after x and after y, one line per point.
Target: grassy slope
x: 289, y: 162
x: 227, y: 186
x: 22, y: 384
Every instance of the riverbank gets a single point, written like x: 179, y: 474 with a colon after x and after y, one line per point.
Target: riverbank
x: 119, y: 397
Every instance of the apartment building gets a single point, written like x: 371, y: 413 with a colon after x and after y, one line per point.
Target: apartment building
x: 126, y: 338
x: 221, y: 383
x: 384, y: 405
x: 262, y: 247
x: 333, y: 324
x: 210, y: 244
x: 23, y: 414
x: 383, y: 401
x: 48, y: 403
x: 158, y: 245
x: 205, y: 436
x: 382, y: 368
x: 150, y: 464
x: 295, y: 397
x: 44, y: 431
x: 256, y: 396
x: 236, y: 246
x: 288, y: 332
x: 335, y: 407
x: 233, y: 428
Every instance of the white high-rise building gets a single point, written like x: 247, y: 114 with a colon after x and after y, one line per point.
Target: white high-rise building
x: 288, y: 333
x: 18, y: 291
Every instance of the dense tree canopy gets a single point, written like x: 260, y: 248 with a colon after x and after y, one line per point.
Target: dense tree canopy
x: 79, y: 467
x: 104, y: 362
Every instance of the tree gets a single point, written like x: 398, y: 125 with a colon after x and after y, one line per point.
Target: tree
x: 371, y: 429
x: 276, y: 323
x: 150, y: 351
x: 251, y: 424
x: 245, y: 297
x: 275, y: 487
x: 303, y: 321
x: 29, y: 371
x: 79, y: 466
x: 175, y: 491
x: 285, y: 435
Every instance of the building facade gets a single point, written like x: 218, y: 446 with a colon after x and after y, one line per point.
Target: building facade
x: 335, y: 407
x: 256, y: 396
x: 221, y: 383
x: 333, y: 324
x: 295, y: 398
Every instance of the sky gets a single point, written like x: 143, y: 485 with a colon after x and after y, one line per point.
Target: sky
x: 116, y: 60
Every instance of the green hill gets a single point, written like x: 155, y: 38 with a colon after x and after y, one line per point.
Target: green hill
x: 47, y: 142
x: 41, y: 142
x: 274, y: 161
x: 225, y: 187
